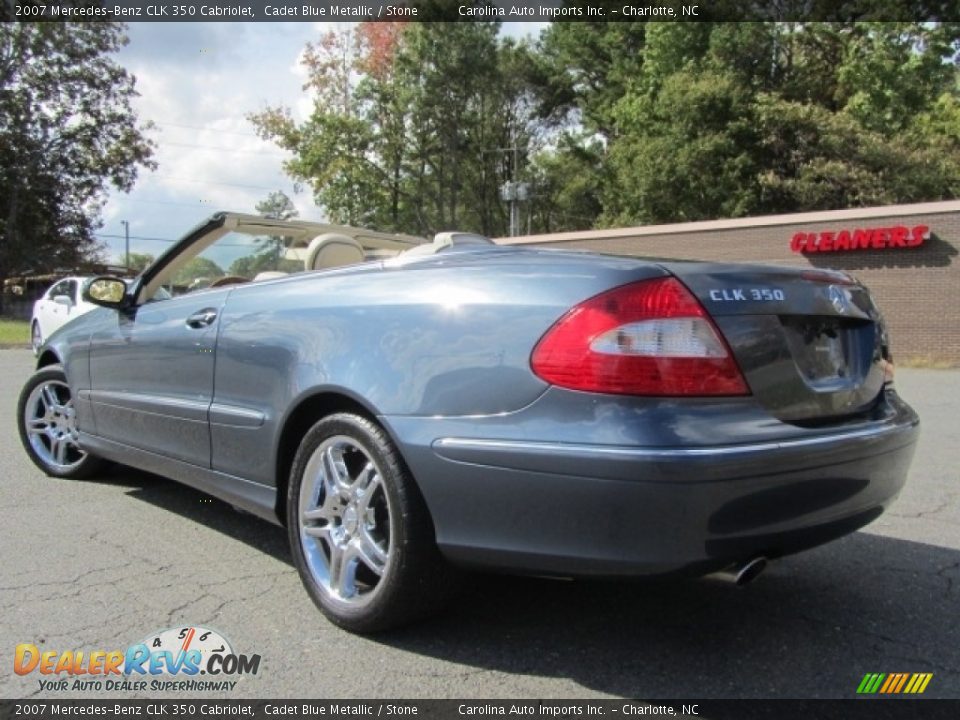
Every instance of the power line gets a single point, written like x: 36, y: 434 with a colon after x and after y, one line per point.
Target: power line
x: 134, y: 237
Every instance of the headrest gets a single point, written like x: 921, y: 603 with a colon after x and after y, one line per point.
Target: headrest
x: 331, y: 250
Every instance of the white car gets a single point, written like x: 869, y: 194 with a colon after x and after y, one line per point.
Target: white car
x: 61, y: 303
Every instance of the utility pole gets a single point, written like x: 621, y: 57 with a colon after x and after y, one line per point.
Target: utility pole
x: 126, y: 244
x: 512, y: 191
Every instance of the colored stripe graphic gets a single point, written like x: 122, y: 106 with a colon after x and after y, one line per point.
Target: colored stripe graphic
x: 870, y: 683
x: 894, y: 683
x: 922, y: 682
x: 903, y: 679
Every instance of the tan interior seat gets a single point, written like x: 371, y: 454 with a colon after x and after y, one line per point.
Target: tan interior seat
x: 332, y: 250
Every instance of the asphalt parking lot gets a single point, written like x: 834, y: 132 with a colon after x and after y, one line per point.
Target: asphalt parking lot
x: 101, y: 564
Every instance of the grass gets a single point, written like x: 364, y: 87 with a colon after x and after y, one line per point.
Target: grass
x: 14, y: 332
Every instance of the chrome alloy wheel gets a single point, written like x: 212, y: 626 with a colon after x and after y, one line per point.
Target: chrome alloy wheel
x: 344, y: 519
x: 50, y: 422
x: 36, y: 339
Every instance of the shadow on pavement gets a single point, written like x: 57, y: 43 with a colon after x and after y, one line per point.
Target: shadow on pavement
x: 811, y: 626
x: 202, y: 508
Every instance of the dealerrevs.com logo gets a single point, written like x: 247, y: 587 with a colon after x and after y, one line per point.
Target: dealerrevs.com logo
x: 187, y: 658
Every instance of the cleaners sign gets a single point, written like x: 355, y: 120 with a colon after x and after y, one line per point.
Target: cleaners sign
x: 882, y: 238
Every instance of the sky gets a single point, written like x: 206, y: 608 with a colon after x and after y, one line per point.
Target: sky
x: 197, y: 83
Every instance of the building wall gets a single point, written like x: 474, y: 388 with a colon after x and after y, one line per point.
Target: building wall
x: 917, y: 289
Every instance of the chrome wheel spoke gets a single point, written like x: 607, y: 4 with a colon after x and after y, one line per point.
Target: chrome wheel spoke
x: 336, y: 478
x: 366, y: 491
x: 371, y: 554
x: 343, y: 571
x: 37, y: 425
x: 58, y: 448
x: 50, y: 401
x: 321, y: 513
x: 366, y: 476
x: 328, y: 509
x: 321, y: 532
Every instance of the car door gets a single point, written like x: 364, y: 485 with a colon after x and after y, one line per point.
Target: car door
x: 151, y: 375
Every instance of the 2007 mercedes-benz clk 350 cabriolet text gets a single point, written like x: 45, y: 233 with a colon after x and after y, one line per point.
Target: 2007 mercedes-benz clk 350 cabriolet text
x: 407, y: 407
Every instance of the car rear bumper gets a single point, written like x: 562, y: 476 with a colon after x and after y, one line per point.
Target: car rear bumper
x: 588, y: 508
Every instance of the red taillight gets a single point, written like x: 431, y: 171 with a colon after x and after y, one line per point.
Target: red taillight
x: 647, y: 338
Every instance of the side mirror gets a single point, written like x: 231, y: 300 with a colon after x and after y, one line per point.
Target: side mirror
x: 106, y: 291
x: 63, y: 300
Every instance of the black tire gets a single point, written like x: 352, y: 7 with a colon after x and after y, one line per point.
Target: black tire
x: 416, y: 581
x: 40, y: 446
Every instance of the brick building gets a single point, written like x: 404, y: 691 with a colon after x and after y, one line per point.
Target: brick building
x: 906, y: 254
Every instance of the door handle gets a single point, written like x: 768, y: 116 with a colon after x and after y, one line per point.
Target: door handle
x: 202, y: 318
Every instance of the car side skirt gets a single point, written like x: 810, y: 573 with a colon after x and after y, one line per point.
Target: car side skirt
x: 260, y: 500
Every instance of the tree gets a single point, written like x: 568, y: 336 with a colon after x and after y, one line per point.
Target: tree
x: 199, y: 268
x: 67, y: 130
x: 812, y: 159
x: 417, y: 127
x: 686, y: 152
x: 140, y: 261
x: 413, y: 126
x: 583, y: 68
x: 452, y: 70
x: 268, y: 251
x: 567, y: 181
x: 726, y: 120
x: 331, y: 149
x: 278, y: 206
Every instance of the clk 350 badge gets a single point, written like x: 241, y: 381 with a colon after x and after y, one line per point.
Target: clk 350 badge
x: 745, y: 294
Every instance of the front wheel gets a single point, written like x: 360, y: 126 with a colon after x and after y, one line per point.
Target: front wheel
x: 48, y: 426
x: 360, y: 533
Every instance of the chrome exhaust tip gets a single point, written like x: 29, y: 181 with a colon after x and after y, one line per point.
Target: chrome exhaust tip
x: 742, y: 573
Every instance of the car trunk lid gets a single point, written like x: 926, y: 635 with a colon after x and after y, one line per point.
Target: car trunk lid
x: 811, y: 343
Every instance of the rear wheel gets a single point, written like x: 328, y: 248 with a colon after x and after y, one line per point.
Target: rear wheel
x: 360, y: 533
x: 48, y: 426
x: 36, y: 339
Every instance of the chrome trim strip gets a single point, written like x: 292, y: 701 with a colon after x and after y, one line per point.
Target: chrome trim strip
x: 180, y: 408
x: 630, y: 453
